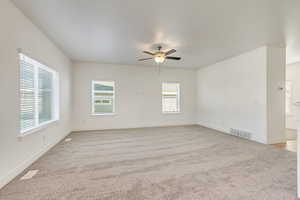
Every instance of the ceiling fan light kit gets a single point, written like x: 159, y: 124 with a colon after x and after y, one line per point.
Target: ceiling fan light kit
x: 160, y: 56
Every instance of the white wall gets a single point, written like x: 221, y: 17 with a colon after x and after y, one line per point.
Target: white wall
x: 138, y: 96
x: 293, y: 75
x: 234, y: 94
x: 276, y: 69
x: 297, y: 121
x: 18, y: 32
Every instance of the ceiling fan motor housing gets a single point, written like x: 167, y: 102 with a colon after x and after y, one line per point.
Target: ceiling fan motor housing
x: 160, y: 56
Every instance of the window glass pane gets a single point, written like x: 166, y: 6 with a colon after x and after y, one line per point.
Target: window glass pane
x: 103, y: 101
x: 27, y: 97
x: 104, y: 86
x: 170, y: 88
x: 45, y: 95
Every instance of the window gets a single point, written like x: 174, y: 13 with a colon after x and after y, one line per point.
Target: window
x: 170, y: 98
x: 288, y: 96
x: 38, y: 94
x: 103, y: 97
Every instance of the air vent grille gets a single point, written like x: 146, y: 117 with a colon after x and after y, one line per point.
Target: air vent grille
x: 241, y: 133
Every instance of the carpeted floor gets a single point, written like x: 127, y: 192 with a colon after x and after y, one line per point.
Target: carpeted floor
x: 174, y: 163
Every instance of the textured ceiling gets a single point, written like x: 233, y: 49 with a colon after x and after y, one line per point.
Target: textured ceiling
x: 203, y: 31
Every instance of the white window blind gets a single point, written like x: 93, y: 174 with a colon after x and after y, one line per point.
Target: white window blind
x: 38, y: 94
x: 27, y: 93
x: 170, y: 97
x: 103, y: 97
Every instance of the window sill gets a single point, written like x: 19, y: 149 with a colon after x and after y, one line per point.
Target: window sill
x: 103, y: 114
x: 290, y: 115
x: 167, y: 113
x: 37, y: 129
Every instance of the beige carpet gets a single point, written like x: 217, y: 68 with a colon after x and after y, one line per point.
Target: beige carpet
x: 175, y: 163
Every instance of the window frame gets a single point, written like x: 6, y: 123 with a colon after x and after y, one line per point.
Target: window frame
x: 93, y: 97
x: 55, y: 95
x: 177, y: 97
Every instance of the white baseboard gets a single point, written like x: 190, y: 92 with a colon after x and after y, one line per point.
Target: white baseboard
x: 214, y: 127
x: 19, y: 169
x: 223, y: 130
x: 131, y: 127
x: 277, y: 141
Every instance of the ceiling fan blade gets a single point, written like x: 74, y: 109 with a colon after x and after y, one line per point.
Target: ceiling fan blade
x: 142, y: 59
x: 148, y: 52
x: 170, y: 52
x: 173, y: 58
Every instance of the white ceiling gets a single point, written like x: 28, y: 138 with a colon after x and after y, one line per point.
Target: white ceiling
x: 203, y: 31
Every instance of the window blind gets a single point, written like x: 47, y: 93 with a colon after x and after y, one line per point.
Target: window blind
x: 27, y: 94
x: 37, y: 94
x: 170, y: 98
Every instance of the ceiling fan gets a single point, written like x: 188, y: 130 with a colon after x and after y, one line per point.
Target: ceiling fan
x: 160, y: 56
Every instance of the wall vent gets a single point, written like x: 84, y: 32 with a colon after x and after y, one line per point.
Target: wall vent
x: 29, y: 175
x: 240, y: 133
x: 68, y: 139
